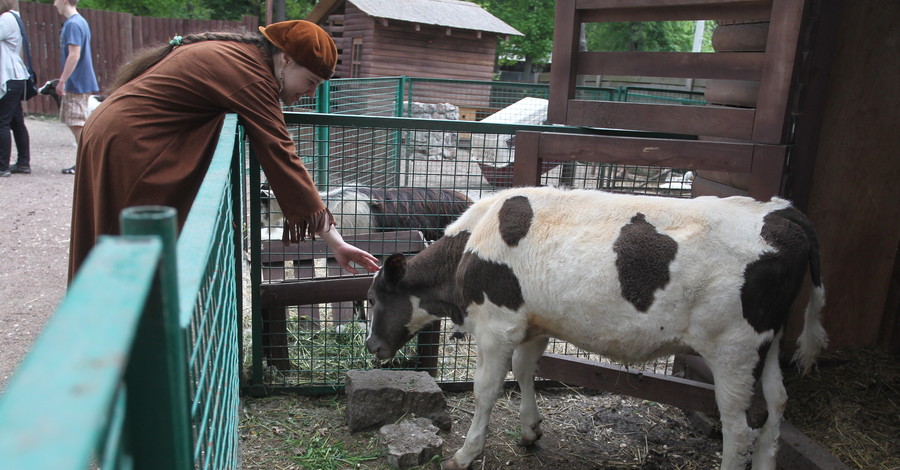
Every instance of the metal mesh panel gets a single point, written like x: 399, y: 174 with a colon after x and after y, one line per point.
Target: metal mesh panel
x: 210, y: 305
x: 366, y: 97
x: 213, y: 360
x: 478, y: 100
x: 387, y: 176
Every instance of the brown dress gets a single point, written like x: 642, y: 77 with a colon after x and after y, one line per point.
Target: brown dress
x: 151, y: 142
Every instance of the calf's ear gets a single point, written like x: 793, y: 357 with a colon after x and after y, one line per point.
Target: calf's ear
x: 394, y: 268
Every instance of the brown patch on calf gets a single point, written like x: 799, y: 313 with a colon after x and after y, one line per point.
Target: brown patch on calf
x: 772, y: 282
x: 478, y: 278
x: 643, y: 256
x: 515, y: 219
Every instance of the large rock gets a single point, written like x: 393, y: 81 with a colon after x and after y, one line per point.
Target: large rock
x: 379, y: 397
x: 410, y: 443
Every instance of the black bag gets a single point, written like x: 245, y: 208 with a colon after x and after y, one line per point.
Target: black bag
x: 31, y: 84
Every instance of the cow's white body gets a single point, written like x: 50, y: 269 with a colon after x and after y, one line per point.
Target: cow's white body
x: 629, y: 277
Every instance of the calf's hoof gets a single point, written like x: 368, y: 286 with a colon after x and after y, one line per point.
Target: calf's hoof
x: 450, y: 464
x: 531, y: 435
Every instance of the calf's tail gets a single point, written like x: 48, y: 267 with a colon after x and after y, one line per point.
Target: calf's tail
x: 813, y: 339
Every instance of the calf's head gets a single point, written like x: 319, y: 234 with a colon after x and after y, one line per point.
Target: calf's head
x: 394, y: 310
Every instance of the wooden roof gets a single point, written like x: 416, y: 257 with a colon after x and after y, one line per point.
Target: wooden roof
x: 456, y: 14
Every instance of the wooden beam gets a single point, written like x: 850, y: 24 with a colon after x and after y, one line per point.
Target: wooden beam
x: 734, y: 123
x: 767, y: 172
x: 597, y: 11
x: 687, y: 394
x: 566, y: 37
x: 721, y: 65
x: 771, y: 123
x: 798, y: 452
x: 314, y: 291
x: 688, y: 154
x: 527, y: 161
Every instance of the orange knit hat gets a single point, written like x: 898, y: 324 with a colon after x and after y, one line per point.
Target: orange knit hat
x: 305, y: 42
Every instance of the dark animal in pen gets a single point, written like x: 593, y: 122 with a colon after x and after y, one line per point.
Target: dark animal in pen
x: 357, y: 210
x: 360, y: 209
x: 631, y: 278
x: 363, y: 209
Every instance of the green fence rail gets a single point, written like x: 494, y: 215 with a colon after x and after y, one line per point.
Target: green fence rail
x: 470, y: 100
x: 139, y: 366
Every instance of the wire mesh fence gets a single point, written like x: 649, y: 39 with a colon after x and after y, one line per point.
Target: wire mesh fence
x: 393, y: 184
x: 471, y: 100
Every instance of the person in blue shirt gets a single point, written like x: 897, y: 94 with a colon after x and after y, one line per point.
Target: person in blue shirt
x: 77, y: 81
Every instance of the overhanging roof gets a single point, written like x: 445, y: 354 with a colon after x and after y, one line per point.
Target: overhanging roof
x: 457, y: 14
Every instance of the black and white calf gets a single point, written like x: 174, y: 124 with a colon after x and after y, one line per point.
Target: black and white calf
x: 629, y: 277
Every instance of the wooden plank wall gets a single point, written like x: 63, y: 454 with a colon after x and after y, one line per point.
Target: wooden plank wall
x: 115, y: 36
x: 395, y: 48
x: 855, y: 198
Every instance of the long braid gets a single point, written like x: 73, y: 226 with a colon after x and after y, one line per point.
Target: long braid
x: 146, y: 58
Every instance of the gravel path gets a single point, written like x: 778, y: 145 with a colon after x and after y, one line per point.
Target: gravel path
x: 34, y: 240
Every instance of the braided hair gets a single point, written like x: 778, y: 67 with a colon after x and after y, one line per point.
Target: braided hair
x: 141, y: 61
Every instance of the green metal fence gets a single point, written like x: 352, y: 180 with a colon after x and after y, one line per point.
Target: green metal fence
x: 471, y: 100
x: 139, y: 366
x: 305, y: 338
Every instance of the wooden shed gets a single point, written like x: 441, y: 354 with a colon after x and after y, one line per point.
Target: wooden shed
x: 451, y: 39
x: 816, y: 122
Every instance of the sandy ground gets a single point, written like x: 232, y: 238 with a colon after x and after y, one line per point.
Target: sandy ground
x: 34, y: 240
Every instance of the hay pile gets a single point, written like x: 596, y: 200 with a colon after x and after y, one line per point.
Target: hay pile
x: 851, y: 406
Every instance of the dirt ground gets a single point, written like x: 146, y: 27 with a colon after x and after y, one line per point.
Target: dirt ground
x: 850, y: 405
x: 34, y: 240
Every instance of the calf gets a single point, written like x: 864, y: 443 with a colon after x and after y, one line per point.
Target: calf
x: 629, y: 277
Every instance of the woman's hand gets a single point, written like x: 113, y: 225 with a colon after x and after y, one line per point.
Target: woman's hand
x: 346, y: 253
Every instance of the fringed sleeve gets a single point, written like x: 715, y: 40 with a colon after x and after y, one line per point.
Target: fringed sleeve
x: 321, y: 221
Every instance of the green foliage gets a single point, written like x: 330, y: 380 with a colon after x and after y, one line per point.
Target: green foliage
x: 320, y: 453
x: 655, y: 36
x: 534, y: 19
x: 156, y: 8
x: 231, y: 10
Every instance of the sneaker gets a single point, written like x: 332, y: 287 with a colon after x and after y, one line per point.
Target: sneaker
x: 20, y: 169
x: 4, y: 174
x: 69, y: 171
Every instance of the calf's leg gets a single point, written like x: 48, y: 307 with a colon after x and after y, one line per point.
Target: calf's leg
x: 776, y: 398
x: 524, y: 366
x: 495, y: 349
x: 733, y: 376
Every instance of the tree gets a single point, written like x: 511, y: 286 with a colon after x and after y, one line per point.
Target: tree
x: 231, y: 10
x: 651, y: 36
x: 534, y: 19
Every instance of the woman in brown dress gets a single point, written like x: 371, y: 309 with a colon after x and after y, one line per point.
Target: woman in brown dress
x: 152, y: 139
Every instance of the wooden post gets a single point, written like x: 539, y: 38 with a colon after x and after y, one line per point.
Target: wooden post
x: 566, y: 41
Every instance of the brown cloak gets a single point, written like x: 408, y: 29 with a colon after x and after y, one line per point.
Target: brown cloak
x: 151, y: 142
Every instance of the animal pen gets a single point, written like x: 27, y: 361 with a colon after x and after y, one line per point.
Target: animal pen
x: 308, y: 326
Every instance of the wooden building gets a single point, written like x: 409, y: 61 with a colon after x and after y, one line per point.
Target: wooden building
x: 808, y: 112
x: 451, y: 39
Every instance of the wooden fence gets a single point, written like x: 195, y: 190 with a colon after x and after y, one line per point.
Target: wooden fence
x: 115, y: 36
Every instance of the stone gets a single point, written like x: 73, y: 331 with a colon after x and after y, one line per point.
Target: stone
x: 410, y: 443
x: 379, y: 397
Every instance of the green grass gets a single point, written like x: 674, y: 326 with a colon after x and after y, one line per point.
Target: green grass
x: 320, y: 453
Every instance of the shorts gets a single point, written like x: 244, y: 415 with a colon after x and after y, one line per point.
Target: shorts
x: 73, y: 110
